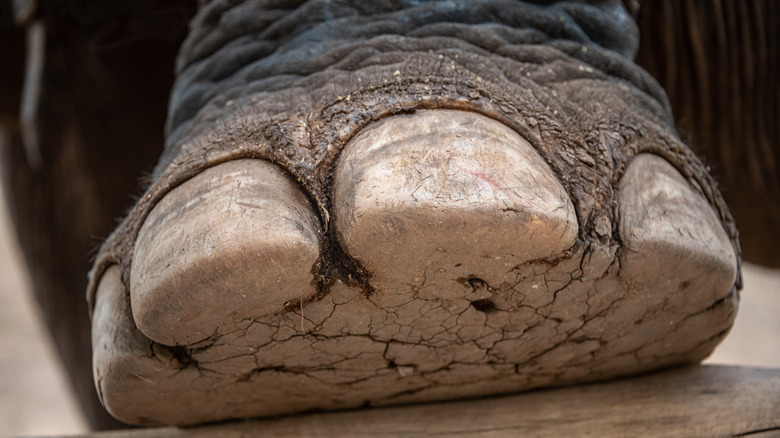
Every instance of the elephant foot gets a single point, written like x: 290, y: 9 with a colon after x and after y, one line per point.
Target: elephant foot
x: 473, y: 277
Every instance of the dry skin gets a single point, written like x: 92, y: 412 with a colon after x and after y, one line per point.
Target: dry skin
x: 457, y: 299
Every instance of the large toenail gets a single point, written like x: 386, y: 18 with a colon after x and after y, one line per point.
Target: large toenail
x: 448, y: 190
x: 119, y: 350
x: 674, y: 241
x: 237, y: 241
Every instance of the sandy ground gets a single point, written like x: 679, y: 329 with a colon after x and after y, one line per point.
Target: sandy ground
x: 34, y: 395
x: 36, y: 400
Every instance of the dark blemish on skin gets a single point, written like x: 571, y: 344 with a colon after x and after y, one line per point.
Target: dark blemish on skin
x: 476, y: 283
x: 484, y: 306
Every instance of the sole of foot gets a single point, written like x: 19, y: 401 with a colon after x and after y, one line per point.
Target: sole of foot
x: 480, y: 281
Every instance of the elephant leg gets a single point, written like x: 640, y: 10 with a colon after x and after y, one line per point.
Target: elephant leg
x: 370, y: 204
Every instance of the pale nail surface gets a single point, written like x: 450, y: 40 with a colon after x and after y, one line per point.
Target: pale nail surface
x: 235, y: 242
x: 453, y: 189
x: 672, y: 236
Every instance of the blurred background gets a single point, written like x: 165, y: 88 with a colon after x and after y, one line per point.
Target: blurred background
x: 35, y: 398
x: 104, y: 114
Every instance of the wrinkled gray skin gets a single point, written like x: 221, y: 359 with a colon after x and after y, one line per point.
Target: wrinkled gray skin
x: 108, y: 74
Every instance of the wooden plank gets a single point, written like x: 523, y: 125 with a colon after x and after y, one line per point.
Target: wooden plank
x: 693, y: 401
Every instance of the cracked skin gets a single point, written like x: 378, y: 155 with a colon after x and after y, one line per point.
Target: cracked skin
x: 423, y: 349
